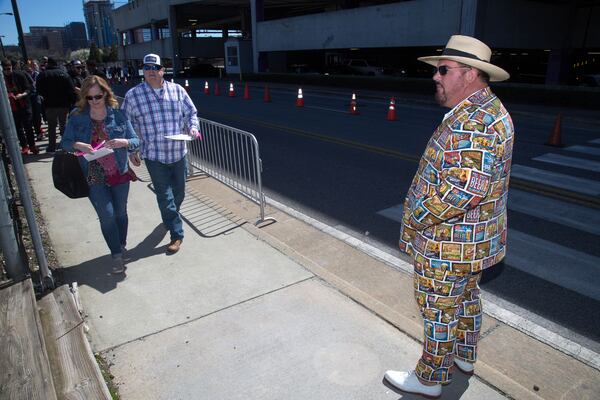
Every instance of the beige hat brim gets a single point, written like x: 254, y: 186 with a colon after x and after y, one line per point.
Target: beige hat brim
x: 495, y: 73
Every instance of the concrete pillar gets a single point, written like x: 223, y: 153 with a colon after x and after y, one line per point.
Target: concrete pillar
x: 560, y: 59
x: 472, y: 16
x: 154, y: 31
x: 174, y: 41
x: 257, y: 11
x: 558, y: 68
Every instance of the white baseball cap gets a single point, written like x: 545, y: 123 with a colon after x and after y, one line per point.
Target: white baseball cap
x: 152, y: 59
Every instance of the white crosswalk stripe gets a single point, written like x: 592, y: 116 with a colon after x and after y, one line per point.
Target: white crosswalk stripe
x: 552, y: 262
x: 552, y: 210
x: 572, y: 162
x: 594, y: 151
x: 555, y: 179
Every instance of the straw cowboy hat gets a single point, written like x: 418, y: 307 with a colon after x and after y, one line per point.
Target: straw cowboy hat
x: 469, y: 51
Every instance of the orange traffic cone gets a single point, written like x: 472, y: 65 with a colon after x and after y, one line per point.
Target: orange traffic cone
x: 217, y: 89
x: 267, y: 96
x: 554, y: 139
x: 353, y: 105
x: 206, y: 89
x: 246, y: 92
x: 391, y: 115
x: 231, y: 91
x: 187, y: 86
x: 300, y: 99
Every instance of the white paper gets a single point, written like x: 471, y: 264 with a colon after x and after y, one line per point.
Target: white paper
x: 181, y: 136
x: 101, y: 152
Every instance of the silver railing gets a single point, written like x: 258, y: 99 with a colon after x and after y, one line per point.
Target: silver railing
x: 16, y: 269
x: 231, y: 156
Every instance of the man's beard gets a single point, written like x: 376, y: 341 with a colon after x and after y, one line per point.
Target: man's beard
x: 440, y: 95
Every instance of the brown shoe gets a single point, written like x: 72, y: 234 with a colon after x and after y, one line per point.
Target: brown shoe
x: 174, y: 246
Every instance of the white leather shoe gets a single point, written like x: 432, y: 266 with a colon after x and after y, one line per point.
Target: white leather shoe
x: 466, y: 368
x: 408, y: 382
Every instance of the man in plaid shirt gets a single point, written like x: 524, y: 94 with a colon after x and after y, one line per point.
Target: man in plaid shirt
x: 158, y: 108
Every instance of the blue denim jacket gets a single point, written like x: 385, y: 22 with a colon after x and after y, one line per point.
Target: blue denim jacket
x: 79, y: 129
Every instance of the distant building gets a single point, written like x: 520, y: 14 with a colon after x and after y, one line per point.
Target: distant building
x: 49, y: 38
x: 57, y: 39
x: 76, y: 36
x: 98, y: 17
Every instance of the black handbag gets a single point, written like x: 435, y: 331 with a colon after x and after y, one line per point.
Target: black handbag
x: 67, y: 175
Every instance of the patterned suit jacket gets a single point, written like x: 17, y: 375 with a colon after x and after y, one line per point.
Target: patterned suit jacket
x: 455, y: 210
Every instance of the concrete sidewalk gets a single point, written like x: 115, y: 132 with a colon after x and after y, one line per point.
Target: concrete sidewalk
x: 285, y: 311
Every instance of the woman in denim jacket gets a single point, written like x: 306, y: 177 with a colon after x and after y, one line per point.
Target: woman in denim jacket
x: 96, y: 123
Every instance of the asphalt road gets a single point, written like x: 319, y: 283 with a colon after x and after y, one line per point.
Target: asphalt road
x: 352, y: 172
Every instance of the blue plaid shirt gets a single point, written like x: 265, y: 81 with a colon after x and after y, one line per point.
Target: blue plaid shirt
x: 156, y: 115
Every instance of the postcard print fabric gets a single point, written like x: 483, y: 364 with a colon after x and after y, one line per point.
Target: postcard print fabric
x: 455, y: 208
x: 454, y: 226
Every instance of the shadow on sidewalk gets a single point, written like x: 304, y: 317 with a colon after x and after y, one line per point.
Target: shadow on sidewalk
x: 96, y: 272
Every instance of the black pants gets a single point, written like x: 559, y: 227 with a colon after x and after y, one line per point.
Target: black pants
x: 23, y: 124
x: 56, y: 117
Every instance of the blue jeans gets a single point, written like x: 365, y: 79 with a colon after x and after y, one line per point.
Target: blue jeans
x: 169, y: 184
x: 110, y: 203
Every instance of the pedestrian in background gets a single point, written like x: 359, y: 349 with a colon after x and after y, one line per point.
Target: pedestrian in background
x: 158, y: 108
x: 58, y: 92
x: 18, y: 87
x: 94, y: 123
x: 76, y: 73
x: 454, y: 218
x: 93, y: 69
x: 33, y: 69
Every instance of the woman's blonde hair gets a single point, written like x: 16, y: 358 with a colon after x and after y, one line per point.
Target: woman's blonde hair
x: 87, y: 84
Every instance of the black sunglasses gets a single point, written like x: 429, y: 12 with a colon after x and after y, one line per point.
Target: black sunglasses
x: 152, y: 67
x: 443, y: 69
x: 96, y: 97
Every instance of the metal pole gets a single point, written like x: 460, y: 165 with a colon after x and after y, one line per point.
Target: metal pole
x: 19, y: 30
x: 2, y: 46
x: 15, y: 268
x: 10, y: 136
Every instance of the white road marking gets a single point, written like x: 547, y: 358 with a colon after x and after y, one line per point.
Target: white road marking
x: 563, y: 181
x: 572, y: 162
x: 572, y: 215
x: 554, y: 263
x: 595, y: 151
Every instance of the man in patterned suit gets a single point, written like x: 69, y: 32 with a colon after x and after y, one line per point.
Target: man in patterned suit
x: 454, y: 221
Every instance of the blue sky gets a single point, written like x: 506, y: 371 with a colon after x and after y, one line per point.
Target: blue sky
x: 38, y: 13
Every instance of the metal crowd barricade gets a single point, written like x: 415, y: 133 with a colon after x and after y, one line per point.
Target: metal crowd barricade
x: 231, y: 156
